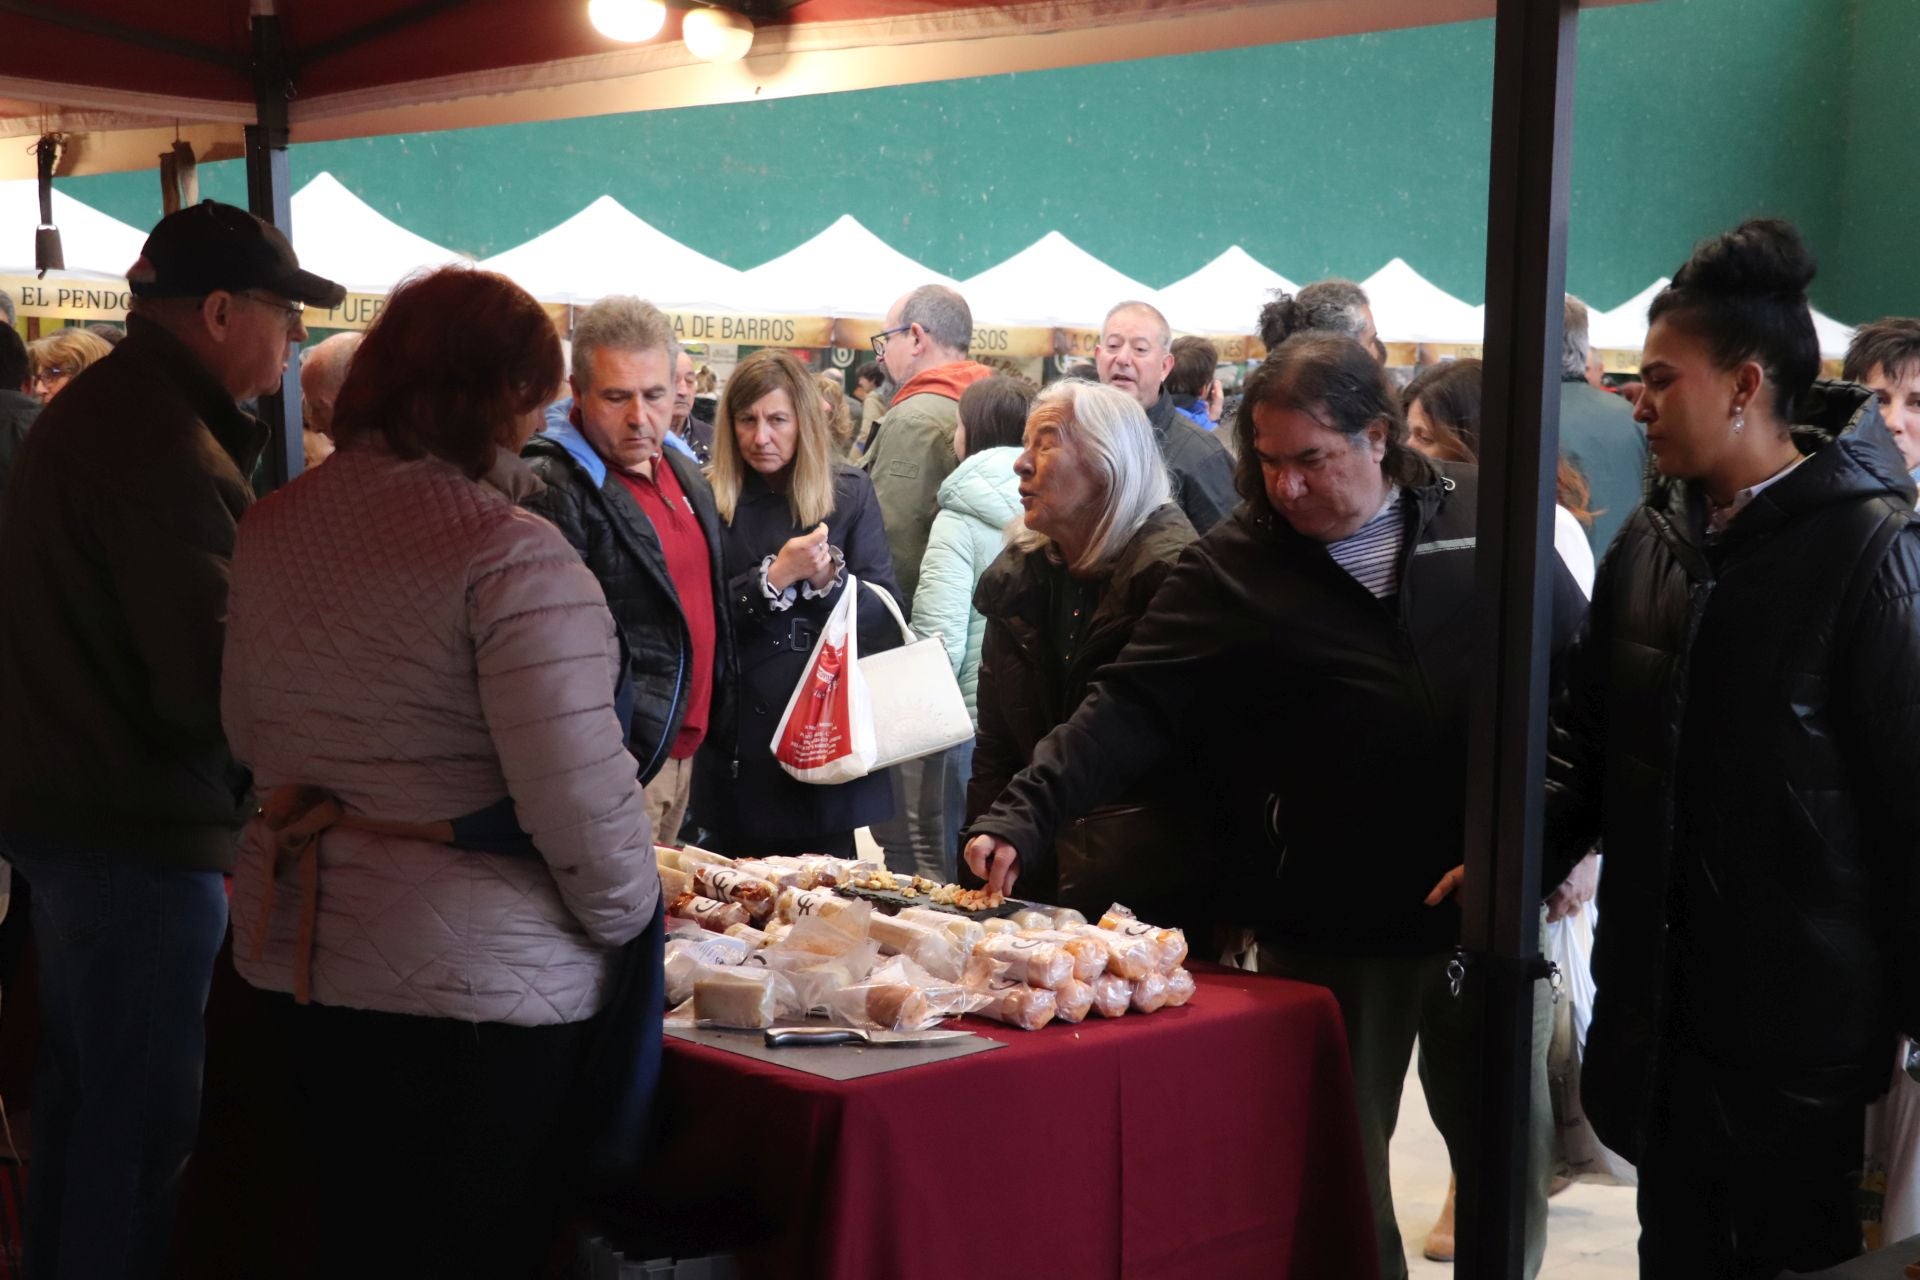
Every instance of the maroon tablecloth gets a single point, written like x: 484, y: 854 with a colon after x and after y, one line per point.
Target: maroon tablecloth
x: 1217, y: 1141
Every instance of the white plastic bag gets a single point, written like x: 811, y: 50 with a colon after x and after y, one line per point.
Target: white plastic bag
x: 825, y: 735
x: 1581, y: 1154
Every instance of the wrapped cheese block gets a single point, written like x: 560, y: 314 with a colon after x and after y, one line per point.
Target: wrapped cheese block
x: 1171, y: 944
x: 725, y: 884
x: 931, y: 949
x: 1036, y: 962
x: 1019, y: 1006
x: 1112, y: 995
x: 962, y: 930
x: 707, y: 913
x: 674, y: 882
x: 1150, y: 993
x: 1180, y: 988
x: 1073, y: 1000
x: 1131, y: 957
x: 747, y: 997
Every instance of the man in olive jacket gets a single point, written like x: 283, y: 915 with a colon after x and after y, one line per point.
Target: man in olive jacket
x: 119, y: 800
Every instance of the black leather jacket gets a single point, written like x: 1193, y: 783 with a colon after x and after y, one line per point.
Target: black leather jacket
x: 615, y: 538
x: 1741, y: 724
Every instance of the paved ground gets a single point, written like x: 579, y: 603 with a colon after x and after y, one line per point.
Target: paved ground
x: 1590, y: 1229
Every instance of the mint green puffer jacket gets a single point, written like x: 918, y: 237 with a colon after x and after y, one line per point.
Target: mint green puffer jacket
x: 977, y: 502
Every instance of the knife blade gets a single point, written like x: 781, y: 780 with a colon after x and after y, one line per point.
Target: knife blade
x: 796, y: 1037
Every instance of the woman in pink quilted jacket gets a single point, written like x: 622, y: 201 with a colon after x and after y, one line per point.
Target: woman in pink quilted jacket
x: 407, y: 646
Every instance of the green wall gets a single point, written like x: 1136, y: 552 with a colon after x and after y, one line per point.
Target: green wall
x: 1320, y: 158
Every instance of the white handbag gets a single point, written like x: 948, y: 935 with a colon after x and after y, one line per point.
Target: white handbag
x: 916, y: 701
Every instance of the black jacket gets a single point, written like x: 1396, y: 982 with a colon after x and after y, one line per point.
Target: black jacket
x: 740, y: 792
x: 114, y: 555
x: 17, y: 412
x: 1333, y: 727
x: 1199, y: 466
x: 1026, y: 691
x: 617, y: 541
x: 1741, y: 724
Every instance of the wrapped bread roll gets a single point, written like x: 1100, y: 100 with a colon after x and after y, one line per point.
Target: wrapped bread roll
x: 896, y: 1007
x: 967, y: 933
x: 1089, y: 954
x: 1180, y: 988
x: 1170, y: 944
x: 1032, y: 918
x: 707, y: 913
x: 794, y: 903
x: 1073, y: 1000
x: 1034, y: 961
x: 725, y: 884
x: 999, y: 925
x: 746, y: 998
x: 1067, y: 918
x: 674, y: 882
x: 690, y: 856
x: 931, y: 949
x: 775, y: 871
x: 1112, y: 995
x: 1019, y: 1006
x: 749, y: 935
x: 1150, y: 993
x: 1132, y: 958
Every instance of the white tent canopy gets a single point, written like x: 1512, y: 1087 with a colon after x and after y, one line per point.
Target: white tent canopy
x: 1834, y: 336
x: 1052, y: 282
x: 846, y: 270
x: 1225, y: 296
x: 605, y: 249
x: 1625, y: 327
x: 94, y: 245
x: 1408, y: 307
x: 340, y: 236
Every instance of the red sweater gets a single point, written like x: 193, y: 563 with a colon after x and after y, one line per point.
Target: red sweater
x: 690, y: 566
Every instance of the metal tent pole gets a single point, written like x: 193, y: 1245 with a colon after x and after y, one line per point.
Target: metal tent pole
x: 1533, y: 65
x: 269, y: 196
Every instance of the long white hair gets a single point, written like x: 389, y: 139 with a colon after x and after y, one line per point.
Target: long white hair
x: 1108, y: 431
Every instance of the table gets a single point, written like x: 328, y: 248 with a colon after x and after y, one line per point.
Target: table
x: 1217, y: 1140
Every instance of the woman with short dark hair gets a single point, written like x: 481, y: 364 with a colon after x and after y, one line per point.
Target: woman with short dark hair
x: 1740, y: 725
x: 453, y: 840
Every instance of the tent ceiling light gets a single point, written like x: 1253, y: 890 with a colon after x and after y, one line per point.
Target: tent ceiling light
x: 717, y: 35
x: 628, y: 21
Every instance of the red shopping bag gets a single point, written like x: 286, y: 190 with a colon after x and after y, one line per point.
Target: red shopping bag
x: 826, y: 734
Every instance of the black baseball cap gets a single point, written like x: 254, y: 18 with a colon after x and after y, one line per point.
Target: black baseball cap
x: 195, y: 251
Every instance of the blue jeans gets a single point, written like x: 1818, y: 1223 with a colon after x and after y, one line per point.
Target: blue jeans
x: 126, y: 955
x: 929, y: 803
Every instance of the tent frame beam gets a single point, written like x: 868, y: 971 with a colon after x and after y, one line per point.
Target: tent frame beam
x: 1531, y: 155
x: 137, y: 36
x: 270, y: 196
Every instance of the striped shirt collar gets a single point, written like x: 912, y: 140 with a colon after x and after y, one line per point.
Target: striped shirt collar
x: 1371, y: 553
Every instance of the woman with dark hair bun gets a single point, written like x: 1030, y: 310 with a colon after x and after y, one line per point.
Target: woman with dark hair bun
x: 1740, y: 726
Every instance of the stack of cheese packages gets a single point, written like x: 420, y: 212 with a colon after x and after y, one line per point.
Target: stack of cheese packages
x: 754, y: 942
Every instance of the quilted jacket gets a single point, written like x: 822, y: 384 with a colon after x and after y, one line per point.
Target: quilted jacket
x: 613, y: 535
x: 1198, y: 466
x: 1740, y: 725
x: 416, y: 644
x: 977, y: 502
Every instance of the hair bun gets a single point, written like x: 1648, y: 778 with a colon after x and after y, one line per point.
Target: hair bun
x: 1279, y: 319
x: 1761, y: 256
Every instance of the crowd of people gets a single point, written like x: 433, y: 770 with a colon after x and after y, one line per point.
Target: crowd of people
x: 527, y: 613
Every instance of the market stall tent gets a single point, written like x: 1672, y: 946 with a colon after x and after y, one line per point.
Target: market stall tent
x: 1624, y: 328
x: 1225, y: 296
x: 1834, y: 336
x: 1408, y: 307
x: 607, y: 249
x: 845, y: 270
x: 340, y: 236
x: 94, y: 245
x: 1052, y: 282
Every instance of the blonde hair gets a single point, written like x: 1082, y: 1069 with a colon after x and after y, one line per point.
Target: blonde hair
x: 69, y: 349
x: 810, y: 474
x: 1110, y: 433
x: 840, y: 419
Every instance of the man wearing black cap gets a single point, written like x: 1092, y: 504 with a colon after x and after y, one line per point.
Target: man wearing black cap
x: 119, y: 801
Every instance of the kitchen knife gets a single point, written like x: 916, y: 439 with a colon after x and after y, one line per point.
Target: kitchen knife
x: 793, y: 1037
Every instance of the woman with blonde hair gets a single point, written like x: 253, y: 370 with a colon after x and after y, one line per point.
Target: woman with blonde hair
x: 833, y: 399
x: 57, y: 359
x: 1099, y: 534
x: 797, y: 522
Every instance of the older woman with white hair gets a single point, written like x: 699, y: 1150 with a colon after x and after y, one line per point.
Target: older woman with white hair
x: 1099, y: 535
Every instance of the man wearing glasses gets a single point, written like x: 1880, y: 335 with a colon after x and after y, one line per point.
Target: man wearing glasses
x: 924, y: 351
x: 119, y: 800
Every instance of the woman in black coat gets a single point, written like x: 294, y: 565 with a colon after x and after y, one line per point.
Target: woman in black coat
x: 1740, y: 724
x: 795, y: 524
x: 1099, y: 536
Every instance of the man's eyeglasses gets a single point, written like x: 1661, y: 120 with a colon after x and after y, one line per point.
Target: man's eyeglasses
x: 879, y: 339
x: 292, y: 312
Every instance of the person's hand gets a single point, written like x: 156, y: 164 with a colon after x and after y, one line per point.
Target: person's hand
x: 1577, y: 891
x: 801, y: 560
x: 824, y: 579
x: 994, y: 861
x: 1448, y: 883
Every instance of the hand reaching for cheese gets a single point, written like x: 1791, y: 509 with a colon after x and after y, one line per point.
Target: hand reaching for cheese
x: 995, y: 861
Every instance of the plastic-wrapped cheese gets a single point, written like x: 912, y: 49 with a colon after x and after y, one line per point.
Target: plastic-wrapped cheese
x: 746, y: 997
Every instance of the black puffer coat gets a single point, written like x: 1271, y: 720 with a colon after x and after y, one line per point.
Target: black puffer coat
x: 1026, y: 691
x: 740, y: 792
x: 1741, y: 724
x: 613, y: 535
x: 1332, y: 726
